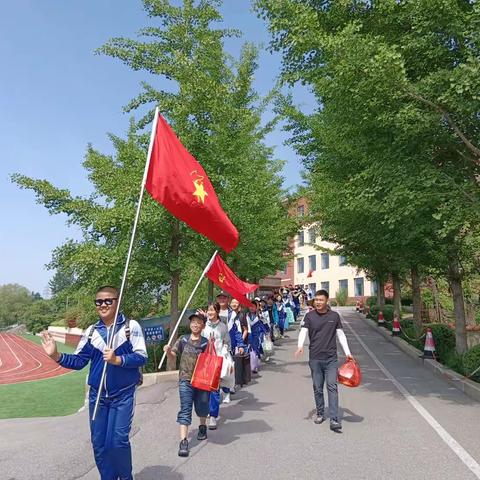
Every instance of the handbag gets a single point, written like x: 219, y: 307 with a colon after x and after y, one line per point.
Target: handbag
x: 349, y: 373
x: 254, y: 361
x: 267, y: 346
x: 208, y: 369
x: 227, y: 377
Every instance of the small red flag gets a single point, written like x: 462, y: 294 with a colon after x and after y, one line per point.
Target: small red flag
x: 177, y: 181
x: 222, y: 275
x: 310, y: 273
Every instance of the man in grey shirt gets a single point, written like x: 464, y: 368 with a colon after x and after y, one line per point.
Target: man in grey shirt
x: 323, y: 326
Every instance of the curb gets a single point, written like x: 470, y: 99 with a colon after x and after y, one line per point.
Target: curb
x: 150, y: 379
x: 468, y: 387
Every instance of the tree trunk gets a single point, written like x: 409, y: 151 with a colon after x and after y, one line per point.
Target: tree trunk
x: 175, y: 282
x: 397, y: 295
x: 380, y: 293
x: 210, y: 291
x: 436, y: 300
x: 458, y: 305
x: 417, y: 301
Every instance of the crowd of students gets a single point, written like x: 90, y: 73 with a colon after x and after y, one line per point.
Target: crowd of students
x: 235, y: 332
x: 247, y: 334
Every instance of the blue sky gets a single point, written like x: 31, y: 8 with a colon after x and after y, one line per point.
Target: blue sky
x: 56, y: 96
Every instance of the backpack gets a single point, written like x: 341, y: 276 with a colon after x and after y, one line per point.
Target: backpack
x: 127, y: 335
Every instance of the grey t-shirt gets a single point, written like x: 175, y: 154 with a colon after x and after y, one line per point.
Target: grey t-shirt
x: 322, y: 332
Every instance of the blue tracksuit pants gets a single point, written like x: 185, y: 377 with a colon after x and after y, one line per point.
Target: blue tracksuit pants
x: 109, y: 434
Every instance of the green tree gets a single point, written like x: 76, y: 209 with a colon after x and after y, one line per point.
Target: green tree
x: 216, y: 113
x: 14, y: 300
x: 393, y: 141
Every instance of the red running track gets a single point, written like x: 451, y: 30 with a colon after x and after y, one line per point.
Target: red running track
x: 24, y: 361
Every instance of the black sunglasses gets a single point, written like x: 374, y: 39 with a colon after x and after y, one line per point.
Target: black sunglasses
x: 100, y: 301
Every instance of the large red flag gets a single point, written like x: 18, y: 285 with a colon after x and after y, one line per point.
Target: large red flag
x: 222, y: 275
x: 177, y: 181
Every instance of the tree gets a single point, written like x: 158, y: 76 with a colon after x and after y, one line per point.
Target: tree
x: 394, y: 139
x: 14, y: 300
x: 217, y: 115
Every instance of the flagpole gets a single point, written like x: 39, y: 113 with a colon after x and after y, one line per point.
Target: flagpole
x: 129, y: 254
x: 172, y: 334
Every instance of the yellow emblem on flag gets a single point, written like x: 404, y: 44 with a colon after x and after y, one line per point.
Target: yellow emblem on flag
x: 199, y: 192
x: 221, y: 277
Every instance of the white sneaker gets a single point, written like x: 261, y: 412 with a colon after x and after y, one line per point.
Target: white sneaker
x: 227, y: 398
x: 212, y: 423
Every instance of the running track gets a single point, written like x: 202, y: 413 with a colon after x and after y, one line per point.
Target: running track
x: 24, y: 361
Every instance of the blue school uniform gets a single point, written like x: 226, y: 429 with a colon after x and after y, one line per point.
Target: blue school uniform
x: 111, y: 428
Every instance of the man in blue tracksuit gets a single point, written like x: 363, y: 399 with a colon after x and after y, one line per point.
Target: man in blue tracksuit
x: 111, y: 428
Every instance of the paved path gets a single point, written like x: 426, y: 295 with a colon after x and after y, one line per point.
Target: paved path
x: 267, y: 431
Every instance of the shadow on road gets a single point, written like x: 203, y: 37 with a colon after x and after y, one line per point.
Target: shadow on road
x: 158, y: 472
x: 345, y: 415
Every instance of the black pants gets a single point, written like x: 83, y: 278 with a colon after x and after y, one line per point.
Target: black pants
x: 325, y: 370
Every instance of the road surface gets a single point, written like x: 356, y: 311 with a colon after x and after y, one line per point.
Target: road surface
x: 401, y: 423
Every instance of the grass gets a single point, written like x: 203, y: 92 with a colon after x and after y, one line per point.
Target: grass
x: 51, y: 397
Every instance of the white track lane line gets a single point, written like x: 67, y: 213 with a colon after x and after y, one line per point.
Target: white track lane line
x: 38, y: 362
x: 37, y: 351
x: 462, y: 454
x: 20, y: 364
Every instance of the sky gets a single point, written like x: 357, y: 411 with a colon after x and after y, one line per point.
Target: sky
x: 57, y: 96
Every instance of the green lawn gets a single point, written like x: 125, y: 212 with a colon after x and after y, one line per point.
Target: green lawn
x: 51, y: 397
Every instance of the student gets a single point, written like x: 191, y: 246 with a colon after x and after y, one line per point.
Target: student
x: 235, y: 328
x: 258, y: 331
x: 272, y: 315
x: 323, y: 326
x: 218, y: 332
x: 189, y: 348
x: 111, y: 428
x: 282, y: 314
x: 296, y: 302
x: 225, y: 314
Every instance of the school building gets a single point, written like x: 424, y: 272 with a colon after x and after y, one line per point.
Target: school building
x: 322, y: 269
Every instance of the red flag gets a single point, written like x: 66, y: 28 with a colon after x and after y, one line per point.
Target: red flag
x: 242, y: 299
x: 177, y: 181
x: 310, y: 273
x: 221, y: 274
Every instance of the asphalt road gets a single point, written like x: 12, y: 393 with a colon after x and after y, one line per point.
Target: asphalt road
x: 401, y: 423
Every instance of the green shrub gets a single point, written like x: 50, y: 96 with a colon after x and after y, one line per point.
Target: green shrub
x: 408, y: 334
x: 455, y: 362
x: 341, y: 297
x: 471, y: 361
x: 371, y: 301
x: 387, y: 314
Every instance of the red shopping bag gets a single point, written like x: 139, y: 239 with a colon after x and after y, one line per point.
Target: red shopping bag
x: 349, y: 373
x: 208, y: 369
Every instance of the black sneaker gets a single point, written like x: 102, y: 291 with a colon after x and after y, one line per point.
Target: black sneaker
x: 183, y: 448
x: 202, y: 432
x: 318, y: 419
x: 335, y: 425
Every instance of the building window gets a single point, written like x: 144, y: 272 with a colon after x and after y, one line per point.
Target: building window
x: 312, y: 262
x: 325, y: 286
x: 343, y: 285
x: 312, y: 235
x: 358, y: 283
x: 313, y: 287
x: 300, y: 210
x: 300, y: 265
x: 301, y: 238
x: 325, y: 261
x: 374, y: 288
x: 342, y: 261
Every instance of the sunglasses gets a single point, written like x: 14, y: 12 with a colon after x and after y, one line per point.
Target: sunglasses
x: 107, y: 301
